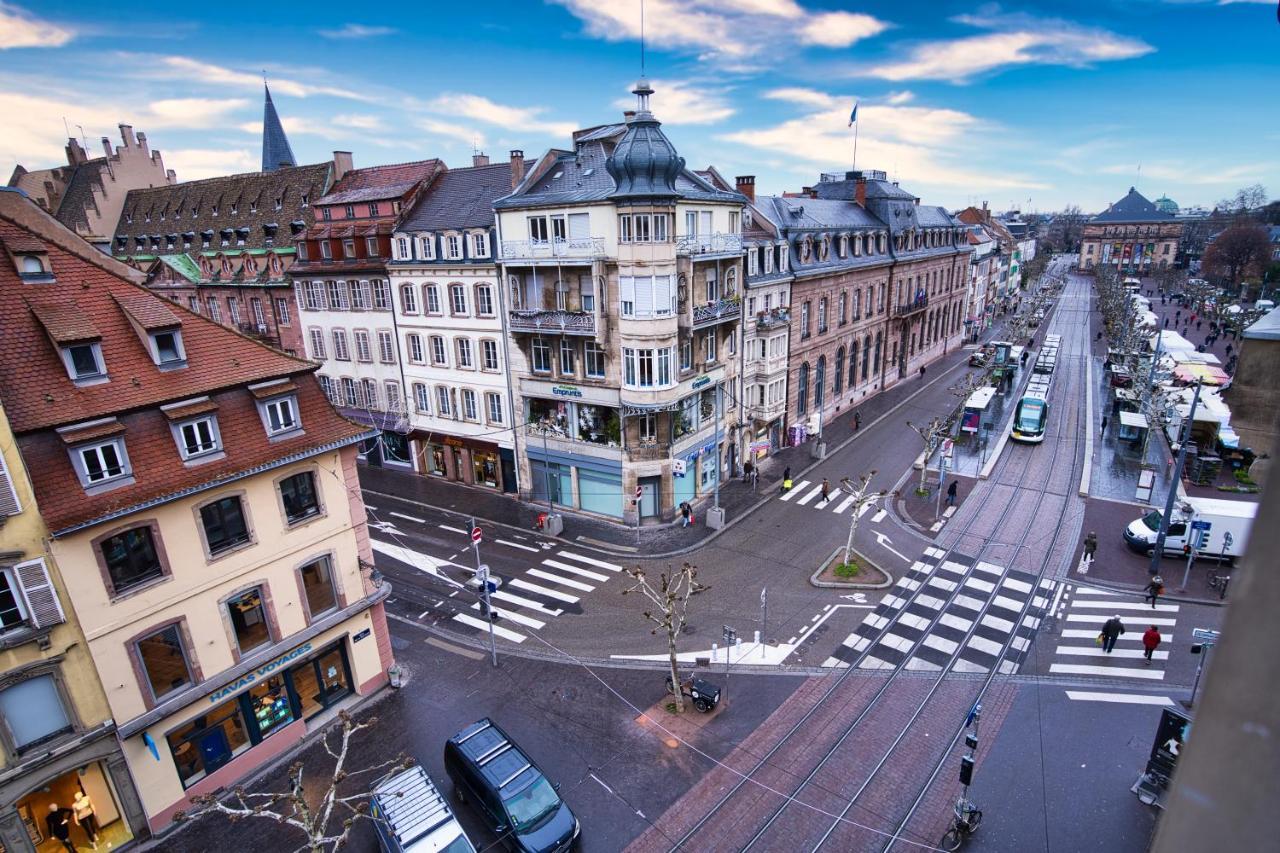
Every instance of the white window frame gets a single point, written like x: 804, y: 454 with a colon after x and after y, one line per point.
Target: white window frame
x: 408, y: 299
x: 539, y: 344
x: 89, y: 378
x: 431, y: 299
x: 386, y: 347
x: 421, y: 398
x: 413, y: 343
x: 479, y: 244
x: 493, y: 407
x: 80, y: 451
x: 484, y: 300
x: 215, y: 436
x: 489, y: 355
x: 466, y: 354
x: 458, y: 292
x: 470, y: 411
x: 439, y: 352
x: 274, y: 408
x: 453, y: 247
x: 341, y: 349
x: 442, y: 401
x: 590, y: 352
x: 427, y: 247
x: 364, y: 351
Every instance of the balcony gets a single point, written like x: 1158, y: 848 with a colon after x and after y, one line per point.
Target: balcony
x: 648, y: 452
x: 585, y: 248
x: 766, y: 412
x: 709, y: 244
x: 915, y: 306
x: 261, y: 331
x: 553, y: 322
x: 721, y: 311
x: 768, y: 320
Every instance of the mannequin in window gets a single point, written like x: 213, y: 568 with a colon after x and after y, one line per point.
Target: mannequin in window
x: 58, y: 822
x: 83, y: 809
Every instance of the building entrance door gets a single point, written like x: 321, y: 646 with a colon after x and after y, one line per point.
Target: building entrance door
x: 649, y: 492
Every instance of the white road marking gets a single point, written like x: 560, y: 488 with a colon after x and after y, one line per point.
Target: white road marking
x: 572, y: 584
x: 997, y: 623
x: 795, y: 490
x: 511, y: 544
x: 811, y: 495
x: 844, y: 504
x: 1127, y: 698
x: 942, y: 644
x: 878, y: 517
x: 371, y: 506
x: 1126, y: 605
x: 542, y: 590
x: 982, y: 644
x: 962, y: 665
x: 866, y: 508
x: 452, y: 529
x: 527, y: 603
x: 1093, y: 590
x: 953, y: 621
x: 1100, y: 618
x: 1017, y: 585
x: 913, y: 621
x: 968, y: 603
x: 1112, y: 671
x: 412, y: 518
x: 1096, y: 652
x: 942, y: 584
x: 1132, y: 636
x: 589, y: 561
x: 979, y: 584
x: 574, y: 570
x: 921, y: 665
x: 498, y: 630
x: 519, y: 618
x: 1006, y: 603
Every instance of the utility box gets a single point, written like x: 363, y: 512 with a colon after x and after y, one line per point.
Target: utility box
x: 715, y: 517
x: 818, y: 450
x: 554, y: 525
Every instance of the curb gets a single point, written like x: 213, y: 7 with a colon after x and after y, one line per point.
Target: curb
x: 813, y: 578
x: 1120, y: 586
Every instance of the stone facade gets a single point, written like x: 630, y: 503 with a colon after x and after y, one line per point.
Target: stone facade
x: 1132, y: 236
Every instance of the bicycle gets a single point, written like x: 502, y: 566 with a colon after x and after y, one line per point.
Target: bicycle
x: 1219, y: 582
x: 965, y: 823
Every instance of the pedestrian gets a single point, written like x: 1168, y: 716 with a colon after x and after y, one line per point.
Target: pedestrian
x: 826, y: 490
x: 857, y: 420
x: 1104, y: 425
x: 755, y: 477
x: 1090, y: 545
x: 1166, y: 322
x: 1228, y: 351
x: 951, y: 493
x: 1193, y: 317
x: 747, y: 470
x: 1150, y: 642
x: 1154, y: 590
x: 686, y: 514
x: 1199, y: 323
x: 922, y: 371
x: 1111, y: 631
x: 1177, y: 316
x: 786, y: 479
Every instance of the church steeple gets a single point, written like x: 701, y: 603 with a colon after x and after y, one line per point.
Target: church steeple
x: 275, y: 145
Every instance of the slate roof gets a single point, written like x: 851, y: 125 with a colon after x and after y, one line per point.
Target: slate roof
x: 276, y: 151
x: 460, y: 198
x: 1134, y: 207
x: 79, y: 193
x: 38, y: 395
x: 260, y: 189
x: 375, y: 183
x: 787, y: 212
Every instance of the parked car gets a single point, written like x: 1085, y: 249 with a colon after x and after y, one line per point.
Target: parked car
x: 412, y: 816
x: 1215, y: 527
x: 508, y: 790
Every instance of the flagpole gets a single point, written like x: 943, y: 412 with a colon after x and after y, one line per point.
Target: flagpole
x: 855, y: 146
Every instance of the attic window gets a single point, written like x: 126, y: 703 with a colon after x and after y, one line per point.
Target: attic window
x: 279, y: 202
x: 84, y: 362
x: 30, y: 264
x: 304, y: 200
x: 587, y: 172
x: 557, y: 175
x: 166, y: 348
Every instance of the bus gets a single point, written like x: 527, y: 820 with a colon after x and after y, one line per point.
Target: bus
x: 1032, y: 414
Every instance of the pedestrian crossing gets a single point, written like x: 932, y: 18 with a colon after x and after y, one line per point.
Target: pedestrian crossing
x: 548, y: 588
x: 809, y: 496
x: 1082, y: 613
x: 956, y: 611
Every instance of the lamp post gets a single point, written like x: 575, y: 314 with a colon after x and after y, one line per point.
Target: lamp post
x: 1157, y: 553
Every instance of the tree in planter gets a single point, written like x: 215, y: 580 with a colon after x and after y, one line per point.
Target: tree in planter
x: 931, y: 434
x: 862, y: 496
x: 325, y: 823
x: 670, y: 606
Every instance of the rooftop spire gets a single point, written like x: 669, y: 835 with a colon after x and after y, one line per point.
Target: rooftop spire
x: 275, y: 145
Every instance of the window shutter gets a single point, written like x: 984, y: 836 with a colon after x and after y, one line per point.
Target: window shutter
x: 8, y: 494
x: 37, y: 589
x: 579, y: 226
x: 644, y: 295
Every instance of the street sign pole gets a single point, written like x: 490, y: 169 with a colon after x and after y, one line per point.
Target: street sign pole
x: 730, y: 636
x: 482, y: 575
x: 764, y: 617
x: 1157, y: 553
x: 639, y: 492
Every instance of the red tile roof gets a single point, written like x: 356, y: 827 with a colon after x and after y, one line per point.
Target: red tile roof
x: 381, y: 182
x: 65, y: 321
x: 147, y: 311
x: 38, y: 394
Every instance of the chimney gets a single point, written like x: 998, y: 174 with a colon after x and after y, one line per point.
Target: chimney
x: 126, y: 134
x: 142, y: 141
x: 342, y: 163
x: 480, y: 159
x: 747, y: 186
x: 517, y: 167
x: 628, y: 115
x: 75, y: 154
x: 860, y: 189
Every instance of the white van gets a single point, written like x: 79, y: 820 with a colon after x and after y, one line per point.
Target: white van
x: 412, y: 816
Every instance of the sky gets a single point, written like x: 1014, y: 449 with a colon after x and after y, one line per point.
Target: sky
x: 1028, y: 105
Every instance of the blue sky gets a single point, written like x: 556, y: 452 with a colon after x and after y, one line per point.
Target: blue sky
x: 1033, y: 104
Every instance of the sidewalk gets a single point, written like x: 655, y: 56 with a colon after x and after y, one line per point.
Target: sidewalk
x: 662, y: 539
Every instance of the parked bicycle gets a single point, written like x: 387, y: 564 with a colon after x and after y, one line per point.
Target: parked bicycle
x: 1219, y: 581
x: 964, y: 823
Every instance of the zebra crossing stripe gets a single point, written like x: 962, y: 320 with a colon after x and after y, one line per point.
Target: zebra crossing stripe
x: 1111, y: 671
x: 1126, y: 698
x: 844, y: 504
x: 542, y: 590
x: 813, y: 494
x: 528, y: 603
x: 600, y: 564
x: 484, y: 626
x: 547, y: 576
x: 1100, y: 618
x: 795, y: 490
x: 519, y: 618
x: 574, y: 570
x: 1120, y: 606
x: 1132, y: 636
x: 1096, y: 652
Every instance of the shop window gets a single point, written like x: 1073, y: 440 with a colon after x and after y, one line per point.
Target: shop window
x: 271, y: 707
x: 33, y: 712
x: 164, y: 661
x: 131, y: 558
x: 318, y: 586
x: 209, y: 741
x: 249, y: 620
x: 322, y: 682
x: 299, y: 496
x: 225, y: 526
x: 485, y: 468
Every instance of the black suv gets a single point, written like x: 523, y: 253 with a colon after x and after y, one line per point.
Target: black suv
x: 508, y: 790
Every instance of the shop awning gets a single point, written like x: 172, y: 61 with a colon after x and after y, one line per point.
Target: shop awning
x: 1206, y: 373
x: 1133, y: 419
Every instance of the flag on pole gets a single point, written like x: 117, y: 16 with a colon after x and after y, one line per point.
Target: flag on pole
x: 853, y: 116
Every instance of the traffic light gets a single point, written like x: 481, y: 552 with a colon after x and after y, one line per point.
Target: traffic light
x: 966, y: 770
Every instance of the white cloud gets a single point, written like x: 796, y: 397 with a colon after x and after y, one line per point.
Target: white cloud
x: 897, y: 98
x: 189, y: 112
x: 185, y: 68
x: 743, y: 33
x: 359, y: 122
x: 925, y: 145
x: 1200, y: 173
x: 448, y: 130
x: 20, y: 28
x: 839, y: 29
x: 192, y: 164
x: 357, y: 31
x: 676, y: 102
x: 482, y: 109
x: 1014, y: 40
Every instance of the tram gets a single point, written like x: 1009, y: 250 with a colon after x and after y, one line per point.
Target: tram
x: 1032, y: 414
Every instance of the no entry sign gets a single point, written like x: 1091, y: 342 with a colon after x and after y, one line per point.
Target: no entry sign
x: 476, y: 534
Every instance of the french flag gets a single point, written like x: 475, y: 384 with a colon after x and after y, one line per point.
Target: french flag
x: 853, y: 116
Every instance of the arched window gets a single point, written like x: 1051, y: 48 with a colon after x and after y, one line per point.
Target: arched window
x: 837, y: 384
x: 876, y: 361
x: 819, y: 383
x: 866, y: 356
x: 802, y: 390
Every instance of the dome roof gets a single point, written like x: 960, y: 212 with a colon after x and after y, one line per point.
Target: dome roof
x: 645, y: 163
x: 1166, y: 204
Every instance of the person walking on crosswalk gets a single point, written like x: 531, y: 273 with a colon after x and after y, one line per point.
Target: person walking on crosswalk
x: 1154, y: 590
x: 1150, y: 641
x: 826, y: 490
x: 1111, y: 631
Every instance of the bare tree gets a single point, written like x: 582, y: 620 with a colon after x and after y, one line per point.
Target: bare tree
x: 670, y: 606
x: 1241, y: 250
x: 325, y: 823
x: 1246, y: 199
x: 862, y: 496
x: 931, y: 435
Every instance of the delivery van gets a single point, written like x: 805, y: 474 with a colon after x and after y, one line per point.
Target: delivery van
x: 1216, y: 528
x: 412, y: 816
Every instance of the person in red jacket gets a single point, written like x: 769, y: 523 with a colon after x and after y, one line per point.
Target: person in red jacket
x: 1150, y: 641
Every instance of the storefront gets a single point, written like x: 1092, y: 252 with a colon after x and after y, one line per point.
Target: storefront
x: 84, y: 803
x: 465, y: 460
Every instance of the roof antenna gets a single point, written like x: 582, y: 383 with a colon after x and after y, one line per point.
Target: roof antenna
x: 66, y: 127
x: 641, y: 38
x: 84, y: 142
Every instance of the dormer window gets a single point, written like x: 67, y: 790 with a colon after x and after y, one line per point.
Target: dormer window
x: 479, y: 244
x: 325, y: 251
x: 166, y: 348
x: 101, y: 462
x: 426, y: 247
x: 84, y: 361
x: 198, y: 437
x: 402, y: 249
x: 349, y: 211
x: 280, y: 415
